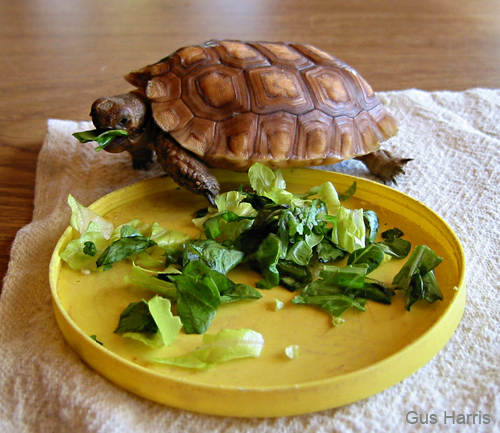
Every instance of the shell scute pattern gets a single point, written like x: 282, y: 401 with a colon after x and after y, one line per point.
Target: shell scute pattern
x: 331, y: 92
x: 215, y: 92
x: 273, y: 89
x: 238, y: 54
x: 234, y: 103
x: 277, y: 136
x: 187, y: 59
x: 283, y: 55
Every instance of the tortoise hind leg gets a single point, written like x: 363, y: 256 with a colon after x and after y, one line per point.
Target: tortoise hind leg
x: 383, y: 164
x: 185, y: 169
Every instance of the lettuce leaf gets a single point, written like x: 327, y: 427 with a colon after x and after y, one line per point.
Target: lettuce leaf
x: 292, y: 351
x: 200, y: 291
x: 171, y: 242
x: 150, y: 322
x: 168, y: 248
x: 263, y: 179
x: 102, y: 139
x: 417, y: 277
x: 131, y: 228
x: 328, y: 194
x: 215, y: 255
x: 131, y: 242
x: 197, y: 302
x: 351, y: 229
x: 335, y: 303
x: 168, y: 324
x: 349, y: 192
x: 394, y: 244
x: 77, y: 253
x: 269, y: 183
x: 237, y: 292
x: 341, y: 288
x: 137, y: 318
x: 267, y: 256
x: 81, y: 217
x: 212, y: 226
x: 232, y: 217
x: 378, y: 252
x: 370, y: 219
x: 149, y: 280
x: 227, y: 345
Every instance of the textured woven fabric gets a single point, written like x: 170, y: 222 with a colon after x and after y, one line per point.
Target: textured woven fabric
x: 454, y: 139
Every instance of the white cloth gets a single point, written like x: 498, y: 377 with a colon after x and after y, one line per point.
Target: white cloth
x: 454, y: 139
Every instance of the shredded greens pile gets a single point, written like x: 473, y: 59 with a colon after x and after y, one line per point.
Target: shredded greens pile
x: 298, y: 241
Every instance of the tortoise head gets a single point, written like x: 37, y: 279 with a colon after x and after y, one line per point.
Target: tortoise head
x: 128, y: 112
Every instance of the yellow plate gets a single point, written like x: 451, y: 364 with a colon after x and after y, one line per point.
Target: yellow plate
x: 371, y: 351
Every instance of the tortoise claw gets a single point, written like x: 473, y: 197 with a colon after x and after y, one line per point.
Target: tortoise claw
x: 398, y: 170
x: 211, y: 198
x: 384, y: 165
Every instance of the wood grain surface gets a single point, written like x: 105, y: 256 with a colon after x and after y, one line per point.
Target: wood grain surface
x: 57, y: 56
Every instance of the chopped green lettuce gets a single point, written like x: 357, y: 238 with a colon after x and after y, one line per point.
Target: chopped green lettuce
x: 372, y: 256
x: 198, y: 297
x: 150, y: 280
x: 102, y: 139
x: 269, y: 183
x: 278, y: 305
x: 267, y: 256
x: 170, y: 244
x: 200, y: 291
x: 232, y: 217
x: 376, y: 253
x: 94, y: 338
x: 341, y: 288
x: 131, y: 242
x: 168, y: 324
x: 349, y: 192
x: 131, y: 228
x: 227, y: 345
x: 417, y: 277
x: 351, y: 229
x: 394, y: 243
x: 263, y: 179
x: 215, y: 255
x: 81, y: 217
x: 167, y: 245
x: 212, y: 226
x: 137, y: 318
x: 370, y: 219
x: 76, y: 254
x: 150, y: 322
x: 292, y: 351
x: 328, y: 194
x: 293, y: 240
x: 293, y: 276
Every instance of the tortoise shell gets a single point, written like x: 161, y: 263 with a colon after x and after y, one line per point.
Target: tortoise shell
x: 234, y: 103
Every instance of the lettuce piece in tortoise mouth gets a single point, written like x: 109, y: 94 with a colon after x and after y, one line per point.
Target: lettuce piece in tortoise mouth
x: 102, y: 139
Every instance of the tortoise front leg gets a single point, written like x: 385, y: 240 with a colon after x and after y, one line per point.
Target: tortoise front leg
x: 383, y: 164
x: 142, y: 158
x: 186, y: 170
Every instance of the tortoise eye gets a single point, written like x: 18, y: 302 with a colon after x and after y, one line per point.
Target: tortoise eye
x: 123, y: 121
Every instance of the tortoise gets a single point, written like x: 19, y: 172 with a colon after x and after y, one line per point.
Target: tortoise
x: 229, y: 104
